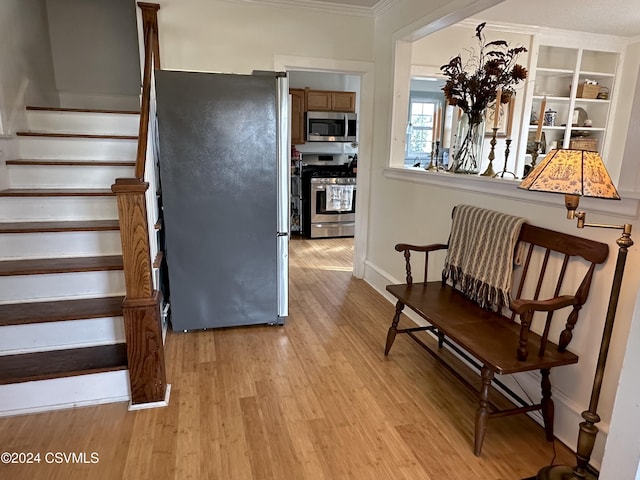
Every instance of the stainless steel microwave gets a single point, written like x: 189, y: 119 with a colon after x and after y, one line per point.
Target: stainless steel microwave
x: 331, y: 127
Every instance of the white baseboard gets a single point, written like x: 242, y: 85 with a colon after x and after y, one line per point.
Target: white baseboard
x: 145, y: 406
x: 567, y: 411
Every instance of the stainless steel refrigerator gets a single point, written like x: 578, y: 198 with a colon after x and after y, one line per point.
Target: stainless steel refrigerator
x: 224, y: 176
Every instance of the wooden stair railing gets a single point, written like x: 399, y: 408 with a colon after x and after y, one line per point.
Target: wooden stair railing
x: 142, y: 303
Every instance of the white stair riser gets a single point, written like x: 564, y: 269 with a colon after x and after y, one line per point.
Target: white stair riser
x: 53, y: 176
x: 59, y: 244
x: 83, y: 122
x: 18, y: 288
x: 44, y: 148
x: 58, y: 208
x: 41, y: 337
x: 60, y: 393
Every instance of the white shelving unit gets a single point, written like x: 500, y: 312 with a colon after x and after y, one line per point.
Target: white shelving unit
x: 557, y: 74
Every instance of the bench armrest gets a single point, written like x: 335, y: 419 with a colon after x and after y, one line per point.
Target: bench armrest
x: 408, y: 248
x: 522, y: 305
x: 401, y: 247
x: 526, y: 308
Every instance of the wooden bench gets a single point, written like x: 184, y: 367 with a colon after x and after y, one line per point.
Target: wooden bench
x: 498, y: 343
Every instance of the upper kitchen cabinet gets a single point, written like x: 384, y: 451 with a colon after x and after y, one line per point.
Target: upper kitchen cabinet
x: 330, y: 101
x: 576, y: 85
x: 297, y: 116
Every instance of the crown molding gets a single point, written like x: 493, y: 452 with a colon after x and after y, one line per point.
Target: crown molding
x: 383, y: 6
x: 633, y: 40
x: 548, y: 32
x: 500, y: 27
x: 324, y: 7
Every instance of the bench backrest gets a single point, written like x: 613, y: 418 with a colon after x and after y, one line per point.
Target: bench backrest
x: 561, y: 248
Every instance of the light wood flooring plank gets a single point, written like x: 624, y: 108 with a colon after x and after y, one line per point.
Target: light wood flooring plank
x: 314, y: 399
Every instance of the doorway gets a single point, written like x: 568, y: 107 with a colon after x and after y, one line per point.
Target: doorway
x: 364, y: 72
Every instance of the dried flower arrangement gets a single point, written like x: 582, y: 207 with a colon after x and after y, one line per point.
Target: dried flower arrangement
x: 472, y: 85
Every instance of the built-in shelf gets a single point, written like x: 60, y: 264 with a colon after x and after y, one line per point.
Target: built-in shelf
x: 558, y: 73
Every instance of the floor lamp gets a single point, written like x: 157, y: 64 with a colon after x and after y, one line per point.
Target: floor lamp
x: 579, y: 173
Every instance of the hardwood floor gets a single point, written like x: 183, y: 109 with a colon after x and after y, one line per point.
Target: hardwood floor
x: 315, y: 399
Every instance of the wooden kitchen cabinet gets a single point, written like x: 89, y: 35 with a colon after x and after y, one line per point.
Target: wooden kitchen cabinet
x: 343, y: 101
x: 297, y: 115
x: 318, y: 100
x: 330, y: 101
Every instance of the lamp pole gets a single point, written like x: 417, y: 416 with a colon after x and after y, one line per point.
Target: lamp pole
x: 588, y: 428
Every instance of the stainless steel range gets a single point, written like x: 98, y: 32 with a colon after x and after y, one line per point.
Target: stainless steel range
x: 328, y: 201
x: 333, y: 207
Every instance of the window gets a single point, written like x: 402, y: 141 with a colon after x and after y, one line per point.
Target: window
x: 424, y: 99
x: 421, y: 114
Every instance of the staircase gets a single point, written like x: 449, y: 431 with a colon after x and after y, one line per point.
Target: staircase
x: 61, y: 278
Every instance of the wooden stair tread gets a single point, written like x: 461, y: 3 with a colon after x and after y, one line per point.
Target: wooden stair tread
x: 76, y: 135
x: 28, y: 367
x: 76, y: 163
x: 82, y: 110
x: 56, y: 192
x: 64, y: 226
x: 60, y: 310
x: 39, y: 266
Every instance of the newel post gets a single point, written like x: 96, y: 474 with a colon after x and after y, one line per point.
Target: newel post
x: 150, y: 21
x: 141, y: 306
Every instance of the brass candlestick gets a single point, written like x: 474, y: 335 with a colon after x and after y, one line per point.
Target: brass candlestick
x: 534, y: 154
x: 435, y: 147
x: 534, y: 159
x: 489, y: 172
x: 506, y: 157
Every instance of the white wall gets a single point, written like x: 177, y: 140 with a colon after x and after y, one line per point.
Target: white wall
x: 418, y: 213
x: 630, y: 173
x: 95, y: 52
x: 325, y: 81
x: 234, y: 37
x: 622, y: 452
x: 26, y: 71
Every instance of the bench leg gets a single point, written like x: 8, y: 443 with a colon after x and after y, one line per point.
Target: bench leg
x: 547, y: 404
x: 482, y: 413
x: 391, y: 334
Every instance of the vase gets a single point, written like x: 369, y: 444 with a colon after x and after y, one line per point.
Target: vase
x: 467, y: 156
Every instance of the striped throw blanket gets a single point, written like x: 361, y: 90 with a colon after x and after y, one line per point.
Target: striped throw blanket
x: 480, y: 256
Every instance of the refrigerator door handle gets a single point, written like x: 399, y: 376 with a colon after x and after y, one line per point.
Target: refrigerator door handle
x: 283, y: 153
x: 283, y: 276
